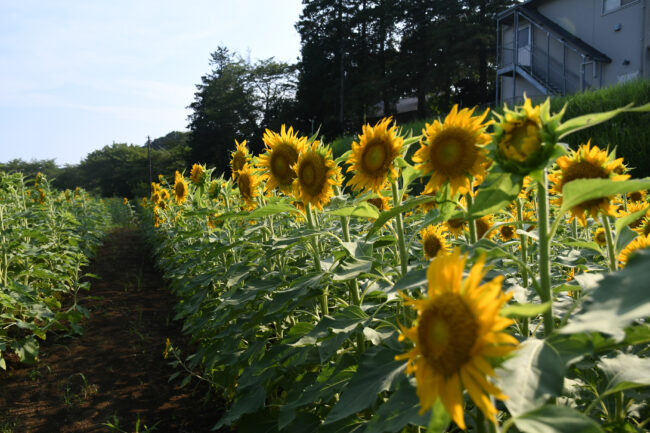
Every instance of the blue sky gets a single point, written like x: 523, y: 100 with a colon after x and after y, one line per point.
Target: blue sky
x: 76, y: 75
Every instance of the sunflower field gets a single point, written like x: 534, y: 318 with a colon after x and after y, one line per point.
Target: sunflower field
x: 46, y: 238
x: 323, y: 294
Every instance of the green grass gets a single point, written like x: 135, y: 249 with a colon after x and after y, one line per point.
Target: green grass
x: 628, y: 133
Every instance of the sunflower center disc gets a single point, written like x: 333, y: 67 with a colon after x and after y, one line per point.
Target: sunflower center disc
x: 244, y: 186
x: 432, y: 246
x: 238, y: 161
x: 447, y: 332
x: 307, y: 175
x: 374, y: 157
x: 179, y: 189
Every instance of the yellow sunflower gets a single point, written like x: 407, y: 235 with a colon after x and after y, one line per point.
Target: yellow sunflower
x: 453, y: 151
x: 434, y: 241
x: 281, y: 154
x: 196, y: 174
x: 586, y: 163
x: 632, y: 207
x: 248, y: 182
x: 164, y: 194
x: 521, y: 133
x: 456, y: 226
x: 125, y: 201
x: 508, y: 231
x: 381, y: 202
x: 372, y: 157
x: 316, y: 174
x: 458, y: 328
x: 239, y: 157
x: 644, y: 228
x: 637, y: 196
x: 640, y: 243
x: 180, y: 188
x: 599, y: 237
x: 483, y: 225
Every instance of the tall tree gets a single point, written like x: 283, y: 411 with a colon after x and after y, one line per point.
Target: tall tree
x: 223, y: 110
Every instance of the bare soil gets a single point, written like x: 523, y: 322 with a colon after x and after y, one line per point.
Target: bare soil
x: 115, y: 372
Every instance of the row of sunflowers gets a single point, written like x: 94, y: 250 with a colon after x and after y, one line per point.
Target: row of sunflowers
x: 490, y: 301
x: 46, y: 238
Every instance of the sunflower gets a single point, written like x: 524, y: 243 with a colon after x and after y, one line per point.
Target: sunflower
x: 452, y: 151
x: 247, y: 182
x: 483, y: 225
x: 644, y: 228
x: 640, y: 243
x: 521, y: 137
x: 180, y: 188
x: 239, y: 157
x: 434, y: 241
x: 599, y: 236
x: 125, y: 201
x: 456, y: 226
x: 282, y: 152
x: 316, y: 174
x: 164, y: 194
x: 508, y: 231
x: 636, y: 206
x: 196, y: 175
x: 637, y: 196
x: 457, y: 329
x: 213, y: 222
x: 372, y: 157
x: 586, y: 163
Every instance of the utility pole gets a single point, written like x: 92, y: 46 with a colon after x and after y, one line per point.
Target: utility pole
x: 149, y: 158
x: 342, y: 66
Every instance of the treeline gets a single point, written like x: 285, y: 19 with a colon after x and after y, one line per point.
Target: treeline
x: 118, y: 169
x: 358, y: 59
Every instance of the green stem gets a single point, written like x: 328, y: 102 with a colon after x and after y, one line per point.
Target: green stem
x: 574, y: 228
x: 611, y: 252
x: 472, y: 223
x: 316, y: 248
x: 353, y: 285
x: 620, y: 406
x: 397, y: 200
x: 544, y: 253
x: 523, y: 241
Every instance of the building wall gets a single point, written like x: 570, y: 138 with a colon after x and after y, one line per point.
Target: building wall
x: 522, y: 86
x: 584, y: 19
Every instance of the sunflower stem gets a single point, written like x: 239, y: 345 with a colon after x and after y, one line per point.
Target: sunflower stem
x: 524, y: 259
x: 544, y: 253
x: 611, y: 252
x: 315, y: 247
x: 397, y: 200
x: 574, y: 228
x: 471, y: 222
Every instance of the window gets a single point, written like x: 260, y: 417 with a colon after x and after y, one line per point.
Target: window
x: 523, y: 37
x: 612, y: 5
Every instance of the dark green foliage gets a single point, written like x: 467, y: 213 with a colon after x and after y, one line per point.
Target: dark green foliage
x: 628, y: 132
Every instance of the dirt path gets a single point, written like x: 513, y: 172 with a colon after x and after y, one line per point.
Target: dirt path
x: 115, y: 372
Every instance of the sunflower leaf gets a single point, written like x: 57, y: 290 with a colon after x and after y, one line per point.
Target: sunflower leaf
x: 556, y: 419
x: 501, y: 190
x: 617, y: 300
x: 581, y: 190
x: 588, y: 120
x: 361, y: 210
x: 406, y: 206
x: 625, y: 371
x: 525, y: 310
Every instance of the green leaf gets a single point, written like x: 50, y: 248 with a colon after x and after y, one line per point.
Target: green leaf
x: 525, y: 310
x: 556, y: 419
x: 362, y: 210
x: 501, y: 190
x: 401, y: 408
x: 625, y: 371
x: 617, y: 300
x: 581, y: 190
x: 27, y: 349
x: 440, y: 419
x: 412, y: 280
x: 587, y: 120
x: 531, y: 377
x: 270, y: 209
x: 406, y: 206
x: 624, y: 237
x: 377, y: 371
x: 351, y: 269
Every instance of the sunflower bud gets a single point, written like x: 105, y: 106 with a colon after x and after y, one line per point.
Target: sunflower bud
x: 524, y: 139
